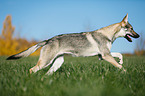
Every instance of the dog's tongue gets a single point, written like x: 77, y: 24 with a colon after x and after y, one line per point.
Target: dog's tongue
x: 129, y: 38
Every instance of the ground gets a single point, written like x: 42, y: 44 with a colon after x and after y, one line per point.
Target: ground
x: 78, y: 76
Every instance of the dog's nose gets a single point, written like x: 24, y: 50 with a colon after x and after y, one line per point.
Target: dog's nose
x: 136, y: 36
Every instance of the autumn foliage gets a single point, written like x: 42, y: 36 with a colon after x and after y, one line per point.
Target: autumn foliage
x: 9, y: 44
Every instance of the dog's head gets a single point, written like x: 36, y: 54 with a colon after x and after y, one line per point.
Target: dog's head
x: 126, y: 30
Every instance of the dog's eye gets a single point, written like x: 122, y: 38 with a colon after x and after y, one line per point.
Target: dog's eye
x: 126, y: 26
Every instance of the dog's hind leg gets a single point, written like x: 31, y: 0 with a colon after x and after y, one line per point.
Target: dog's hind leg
x: 46, y: 56
x: 38, y: 66
x: 118, y: 55
x: 57, y: 64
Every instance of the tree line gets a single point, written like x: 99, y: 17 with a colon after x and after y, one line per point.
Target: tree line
x: 9, y: 44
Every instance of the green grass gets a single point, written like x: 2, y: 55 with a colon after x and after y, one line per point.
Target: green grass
x: 81, y: 76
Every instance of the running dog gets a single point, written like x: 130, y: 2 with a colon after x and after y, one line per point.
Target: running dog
x: 94, y: 43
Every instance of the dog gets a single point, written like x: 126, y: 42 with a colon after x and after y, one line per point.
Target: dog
x: 94, y: 43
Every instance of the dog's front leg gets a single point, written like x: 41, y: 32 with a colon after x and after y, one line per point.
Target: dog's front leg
x: 118, y: 55
x: 110, y: 59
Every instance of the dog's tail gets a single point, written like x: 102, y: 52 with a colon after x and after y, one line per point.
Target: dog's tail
x: 28, y: 51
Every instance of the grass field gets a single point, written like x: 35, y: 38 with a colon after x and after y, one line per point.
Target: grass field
x: 78, y: 76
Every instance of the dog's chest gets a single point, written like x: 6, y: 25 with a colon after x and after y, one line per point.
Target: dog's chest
x: 109, y: 45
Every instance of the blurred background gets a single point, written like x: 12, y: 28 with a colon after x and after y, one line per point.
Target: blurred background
x: 23, y: 23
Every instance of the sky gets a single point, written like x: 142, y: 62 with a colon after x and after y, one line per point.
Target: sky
x: 42, y: 19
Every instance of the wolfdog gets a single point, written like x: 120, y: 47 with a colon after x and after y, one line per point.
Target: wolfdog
x: 94, y: 43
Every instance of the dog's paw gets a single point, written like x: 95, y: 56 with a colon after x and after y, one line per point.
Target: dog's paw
x: 124, y: 70
x: 120, y: 66
x: 121, y: 62
x: 30, y: 71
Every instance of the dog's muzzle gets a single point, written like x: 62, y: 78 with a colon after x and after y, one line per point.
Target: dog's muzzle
x: 131, y: 34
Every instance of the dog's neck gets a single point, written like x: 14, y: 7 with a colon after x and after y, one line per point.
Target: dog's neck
x: 110, y: 31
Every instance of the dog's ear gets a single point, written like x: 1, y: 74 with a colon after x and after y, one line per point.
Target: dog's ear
x: 125, y: 20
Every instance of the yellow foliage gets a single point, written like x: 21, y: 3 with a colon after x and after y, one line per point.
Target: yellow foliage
x: 139, y: 52
x: 10, y: 45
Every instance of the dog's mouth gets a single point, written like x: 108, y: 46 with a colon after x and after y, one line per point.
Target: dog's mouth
x: 129, y: 35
